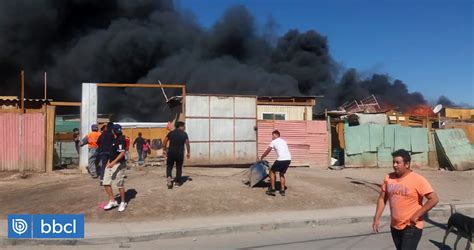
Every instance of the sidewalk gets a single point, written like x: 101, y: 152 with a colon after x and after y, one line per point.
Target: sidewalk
x: 106, y: 233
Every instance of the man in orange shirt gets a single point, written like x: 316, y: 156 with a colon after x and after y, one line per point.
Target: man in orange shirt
x: 91, y: 140
x: 405, y: 190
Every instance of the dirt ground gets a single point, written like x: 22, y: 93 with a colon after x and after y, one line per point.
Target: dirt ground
x: 207, y: 192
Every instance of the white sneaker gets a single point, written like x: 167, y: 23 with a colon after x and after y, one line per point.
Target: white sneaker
x: 110, y: 205
x: 122, y: 206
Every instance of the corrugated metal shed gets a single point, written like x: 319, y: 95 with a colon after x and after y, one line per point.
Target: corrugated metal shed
x: 307, y: 141
x: 455, y: 149
x: 221, y: 129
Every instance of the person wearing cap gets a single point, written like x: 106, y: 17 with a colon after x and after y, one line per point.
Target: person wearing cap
x: 175, y: 153
x: 91, y: 140
x: 115, y: 170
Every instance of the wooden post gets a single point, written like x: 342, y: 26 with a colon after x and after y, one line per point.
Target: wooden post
x: 50, y: 121
x: 22, y: 98
x: 329, y: 136
x: 21, y: 139
x: 45, y: 86
x: 183, y: 102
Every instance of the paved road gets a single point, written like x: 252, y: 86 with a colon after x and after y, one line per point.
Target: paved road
x: 353, y: 236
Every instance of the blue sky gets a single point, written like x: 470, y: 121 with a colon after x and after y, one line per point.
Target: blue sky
x: 428, y: 44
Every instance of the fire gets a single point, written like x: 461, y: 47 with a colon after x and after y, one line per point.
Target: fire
x: 421, y: 110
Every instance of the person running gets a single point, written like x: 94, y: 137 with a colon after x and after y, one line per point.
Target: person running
x: 280, y: 165
x: 175, y: 153
x: 115, y: 170
x: 138, y: 143
x: 404, y: 190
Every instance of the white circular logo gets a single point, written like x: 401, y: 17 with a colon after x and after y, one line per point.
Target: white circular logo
x: 19, y: 226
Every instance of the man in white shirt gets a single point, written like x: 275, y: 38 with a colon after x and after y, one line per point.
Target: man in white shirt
x: 281, y: 164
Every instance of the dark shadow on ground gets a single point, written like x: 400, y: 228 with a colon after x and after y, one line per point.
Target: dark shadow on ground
x: 265, y: 184
x: 434, y: 223
x: 440, y: 245
x: 184, y: 179
x: 130, y: 194
x: 374, y: 186
x: 262, y: 184
x: 314, y: 240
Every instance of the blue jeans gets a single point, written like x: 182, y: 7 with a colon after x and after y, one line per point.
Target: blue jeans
x: 92, y: 163
x: 140, y: 154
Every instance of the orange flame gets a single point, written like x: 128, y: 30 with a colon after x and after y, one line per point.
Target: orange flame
x: 421, y: 110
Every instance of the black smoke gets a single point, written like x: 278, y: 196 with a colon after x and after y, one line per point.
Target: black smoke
x: 145, y: 41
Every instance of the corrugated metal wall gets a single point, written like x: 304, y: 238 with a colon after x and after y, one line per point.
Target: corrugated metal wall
x: 307, y: 141
x: 22, y: 146
x: 455, y: 148
x: 221, y: 129
x: 371, y: 145
x: 9, y: 142
x: 34, y: 149
x: 292, y: 113
x: 467, y: 127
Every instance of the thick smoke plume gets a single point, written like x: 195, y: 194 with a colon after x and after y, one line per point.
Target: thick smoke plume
x: 145, y: 41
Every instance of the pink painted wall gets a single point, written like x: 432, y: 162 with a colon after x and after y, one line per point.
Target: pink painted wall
x: 22, y: 142
x: 307, y: 141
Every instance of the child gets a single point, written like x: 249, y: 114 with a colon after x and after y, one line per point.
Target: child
x: 127, y: 147
x: 146, y: 148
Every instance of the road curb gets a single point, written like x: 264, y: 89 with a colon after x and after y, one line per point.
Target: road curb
x: 441, y: 211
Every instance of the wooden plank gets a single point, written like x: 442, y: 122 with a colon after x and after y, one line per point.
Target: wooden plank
x: 12, y: 110
x: 50, y: 119
x: 67, y: 104
x: 140, y: 85
x: 286, y: 103
x: 22, y: 100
